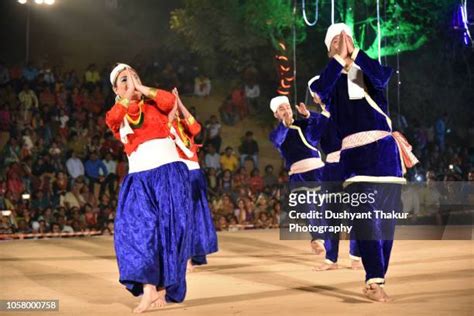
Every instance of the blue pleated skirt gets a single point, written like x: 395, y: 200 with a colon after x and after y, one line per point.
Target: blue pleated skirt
x: 152, y: 229
x: 204, y: 239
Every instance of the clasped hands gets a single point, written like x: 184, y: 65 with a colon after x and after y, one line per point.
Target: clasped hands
x: 345, y: 48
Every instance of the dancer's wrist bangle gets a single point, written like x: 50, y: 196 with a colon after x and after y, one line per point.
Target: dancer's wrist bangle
x: 152, y: 93
x: 191, y: 119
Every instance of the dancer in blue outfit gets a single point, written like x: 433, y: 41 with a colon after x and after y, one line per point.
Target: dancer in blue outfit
x: 332, y: 183
x: 352, y: 84
x: 184, y: 129
x: 296, y: 140
x: 153, y: 221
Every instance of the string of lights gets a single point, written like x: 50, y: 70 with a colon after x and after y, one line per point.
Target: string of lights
x: 399, y: 82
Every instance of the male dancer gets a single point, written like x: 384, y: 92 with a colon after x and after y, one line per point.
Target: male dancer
x: 332, y: 178
x: 353, y: 85
x: 296, y: 140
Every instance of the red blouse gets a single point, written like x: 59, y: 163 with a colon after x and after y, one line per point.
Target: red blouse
x: 155, y: 119
x: 187, y: 129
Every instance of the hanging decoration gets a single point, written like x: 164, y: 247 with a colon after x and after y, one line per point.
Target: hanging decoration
x: 332, y: 11
x: 316, y: 13
x: 284, y: 71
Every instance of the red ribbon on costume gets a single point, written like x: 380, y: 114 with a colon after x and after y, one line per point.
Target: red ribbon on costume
x: 408, y: 157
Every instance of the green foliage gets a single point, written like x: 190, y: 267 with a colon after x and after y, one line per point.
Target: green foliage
x: 274, y: 19
x: 232, y: 31
x: 405, y: 25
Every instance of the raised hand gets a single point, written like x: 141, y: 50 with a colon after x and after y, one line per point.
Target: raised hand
x: 136, y: 81
x: 349, y: 44
x: 178, y: 99
x: 175, y: 92
x: 174, y: 111
x: 130, y: 85
x: 302, y: 109
x: 342, y: 47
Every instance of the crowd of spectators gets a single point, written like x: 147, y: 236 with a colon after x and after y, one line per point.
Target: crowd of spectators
x: 444, y: 163
x: 61, y: 169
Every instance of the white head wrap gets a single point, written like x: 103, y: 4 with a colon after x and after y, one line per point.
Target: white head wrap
x: 277, y: 101
x: 125, y: 128
x: 115, y: 72
x: 334, y: 30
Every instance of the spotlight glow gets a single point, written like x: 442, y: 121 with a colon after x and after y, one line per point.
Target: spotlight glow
x: 49, y: 2
x: 22, y: 1
x: 39, y: 1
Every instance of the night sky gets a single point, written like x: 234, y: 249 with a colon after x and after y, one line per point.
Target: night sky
x: 74, y: 32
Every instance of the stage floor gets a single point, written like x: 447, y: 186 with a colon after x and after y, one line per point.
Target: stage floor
x: 254, y: 273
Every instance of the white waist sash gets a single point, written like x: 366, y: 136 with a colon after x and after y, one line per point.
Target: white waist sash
x: 333, y: 157
x: 192, y: 165
x: 305, y: 165
x: 363, y: 138
x: 152, y: 154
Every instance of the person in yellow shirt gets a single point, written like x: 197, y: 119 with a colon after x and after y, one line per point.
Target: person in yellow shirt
x: 229, y: 160
x: 91, y: 76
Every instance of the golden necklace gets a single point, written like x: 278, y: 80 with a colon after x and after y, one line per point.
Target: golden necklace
x: 135, y: 122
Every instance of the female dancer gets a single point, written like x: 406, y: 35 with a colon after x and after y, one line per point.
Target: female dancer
x: 204, y: 238
x: 152, y: 225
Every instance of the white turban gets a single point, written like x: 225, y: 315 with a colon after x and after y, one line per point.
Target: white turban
x: 115, y: 72
x: 335, y: 30
x: 277, y: 101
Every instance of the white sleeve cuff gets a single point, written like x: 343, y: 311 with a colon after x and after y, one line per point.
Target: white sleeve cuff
x: 354, y: 53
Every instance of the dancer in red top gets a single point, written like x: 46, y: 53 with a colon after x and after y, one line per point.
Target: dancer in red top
x: 204, y: 238
x: 153, y: 222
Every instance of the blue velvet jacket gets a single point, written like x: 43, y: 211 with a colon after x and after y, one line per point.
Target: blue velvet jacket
x: 331, y: 142
x: 377, y: 159
x: 299, y: 140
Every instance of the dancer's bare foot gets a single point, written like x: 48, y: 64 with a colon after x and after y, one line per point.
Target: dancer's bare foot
x: 161, y: 301
x: 326, y: 266
x: 356, y: 265
x: 149, y: 297
x: 376, y: 293
x: 318, y: 247
x: 189, y: 267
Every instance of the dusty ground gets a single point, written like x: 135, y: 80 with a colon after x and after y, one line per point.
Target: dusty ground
x: 254, y: 273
